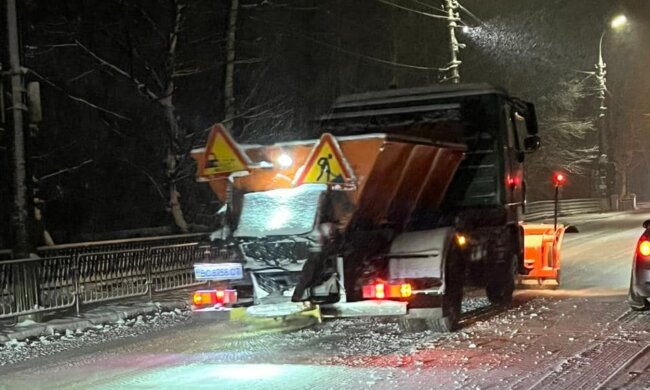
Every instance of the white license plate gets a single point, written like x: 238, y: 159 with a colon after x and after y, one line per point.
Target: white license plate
x: 218, y: 271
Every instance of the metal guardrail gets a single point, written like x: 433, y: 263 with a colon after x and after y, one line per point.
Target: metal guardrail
x: 74, y: 279
x: 6, y: 254
x: 546, y: 208
x: 114, y: 245
x: 172, y: 266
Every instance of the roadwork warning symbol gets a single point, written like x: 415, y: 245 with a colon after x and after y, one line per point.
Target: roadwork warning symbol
x: 325, y: 164
x: 222, y: 155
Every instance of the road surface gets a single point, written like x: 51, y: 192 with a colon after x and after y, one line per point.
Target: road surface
x: 580, y: 337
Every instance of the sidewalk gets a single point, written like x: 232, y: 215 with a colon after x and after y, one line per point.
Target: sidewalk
x: 114, y: 312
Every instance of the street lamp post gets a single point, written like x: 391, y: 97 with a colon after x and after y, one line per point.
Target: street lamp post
x: 601, y: 74
x: 601, y: 77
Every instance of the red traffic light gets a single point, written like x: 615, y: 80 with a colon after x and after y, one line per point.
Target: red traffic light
x: 559, y: 179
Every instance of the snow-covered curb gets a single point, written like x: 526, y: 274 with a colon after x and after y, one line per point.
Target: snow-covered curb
x: 16, y: 351
x: 113, y: 314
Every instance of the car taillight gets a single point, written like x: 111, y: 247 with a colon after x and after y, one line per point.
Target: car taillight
x: 387, y: 291
x: 214, y: 297
x: 644, y: 247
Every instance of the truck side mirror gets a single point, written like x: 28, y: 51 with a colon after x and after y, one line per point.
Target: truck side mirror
x: 531, y: 119
x: 532, y: 143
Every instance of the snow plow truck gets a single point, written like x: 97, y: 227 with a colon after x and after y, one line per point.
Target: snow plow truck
x: 407, y: 196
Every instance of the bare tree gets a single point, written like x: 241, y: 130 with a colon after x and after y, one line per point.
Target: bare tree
x: 566, y: 135
x: 164, y: 98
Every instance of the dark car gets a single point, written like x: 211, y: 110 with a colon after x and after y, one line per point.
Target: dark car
x: 640, y: 280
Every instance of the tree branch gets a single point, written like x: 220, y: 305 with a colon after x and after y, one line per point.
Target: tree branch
x: 148, y: 175
x: 142, y: 88
x: 77, y: 99
x: 65, y: 170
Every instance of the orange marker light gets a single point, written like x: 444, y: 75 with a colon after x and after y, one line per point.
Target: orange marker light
x: 197, y: 298
x: 405, y: 290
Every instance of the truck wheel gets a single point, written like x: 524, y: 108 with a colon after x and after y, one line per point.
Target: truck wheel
x: 637, y: 302
x: 501, y: 281
x: 451, y: 302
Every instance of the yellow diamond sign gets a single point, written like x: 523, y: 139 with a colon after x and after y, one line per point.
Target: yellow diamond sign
x: 325, y: 164
x: 222, y: 155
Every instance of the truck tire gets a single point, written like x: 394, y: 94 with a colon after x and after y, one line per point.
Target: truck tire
x: 501, y: 281
x: 451, y: 301
x: 637, y: 302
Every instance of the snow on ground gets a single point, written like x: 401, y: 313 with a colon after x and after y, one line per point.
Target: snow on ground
x: 378, y: 341
x: 15, y: 351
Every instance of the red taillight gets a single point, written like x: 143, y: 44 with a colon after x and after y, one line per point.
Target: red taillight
x: 644, y: 247
x: 214, y: 297
x: 513, y: 181
x: 387, y: 291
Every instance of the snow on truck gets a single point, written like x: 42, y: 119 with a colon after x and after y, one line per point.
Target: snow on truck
x: 406, y: 197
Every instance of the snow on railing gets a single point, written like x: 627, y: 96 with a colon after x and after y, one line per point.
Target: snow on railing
x: 546, y: 208
x: 72, y: 279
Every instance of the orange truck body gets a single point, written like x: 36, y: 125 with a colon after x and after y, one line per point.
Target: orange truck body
x: 542, y: 248
x: 393, y: 177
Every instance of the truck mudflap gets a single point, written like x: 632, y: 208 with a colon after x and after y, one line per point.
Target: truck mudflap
x: 542, y: 249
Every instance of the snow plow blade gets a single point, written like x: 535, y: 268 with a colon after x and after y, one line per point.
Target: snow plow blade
x: 280, y: 311
x: 542, y: 245
x: 372, y: 308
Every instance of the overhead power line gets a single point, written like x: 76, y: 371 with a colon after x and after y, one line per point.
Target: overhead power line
x: 413, y: 10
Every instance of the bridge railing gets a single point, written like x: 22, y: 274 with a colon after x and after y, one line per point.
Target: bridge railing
x: 546, y: 208
x: 69, y: 277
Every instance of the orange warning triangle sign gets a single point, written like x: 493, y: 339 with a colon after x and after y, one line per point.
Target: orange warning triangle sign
x: 222, y: 155
x: 325, y: 164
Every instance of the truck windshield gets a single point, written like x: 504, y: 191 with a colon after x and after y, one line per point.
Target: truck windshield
x: 283, y: 212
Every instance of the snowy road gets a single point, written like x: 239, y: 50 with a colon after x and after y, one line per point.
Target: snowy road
x: 580, y: 337
x: 600, y: 255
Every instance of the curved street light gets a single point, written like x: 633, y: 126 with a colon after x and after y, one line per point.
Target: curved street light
x: 616, y: 23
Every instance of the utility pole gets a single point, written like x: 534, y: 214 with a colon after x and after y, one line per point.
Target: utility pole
x: 453, y: 16
x: 229, y: 82
x: 20, y: 217
x: 26, y: 292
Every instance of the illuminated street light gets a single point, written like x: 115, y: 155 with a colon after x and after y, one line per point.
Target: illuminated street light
x: 465, y: 29
x: 618, y: 22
